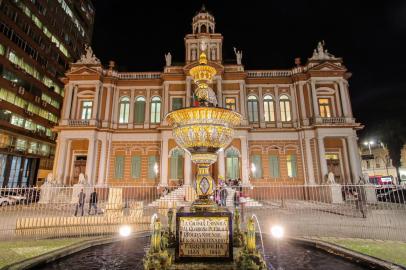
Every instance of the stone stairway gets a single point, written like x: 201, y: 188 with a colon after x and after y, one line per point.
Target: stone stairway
x: 249, y: 202
x: 175, y: 197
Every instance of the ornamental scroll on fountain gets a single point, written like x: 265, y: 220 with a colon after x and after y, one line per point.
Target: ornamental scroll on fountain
x: 203, y: 130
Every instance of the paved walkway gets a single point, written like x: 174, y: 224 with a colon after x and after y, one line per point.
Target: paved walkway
x: 300, y: 218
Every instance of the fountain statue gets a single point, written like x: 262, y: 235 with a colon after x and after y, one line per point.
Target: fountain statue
x: 249, y: 257
x: 202, y: 131
x: 158, y: 257
x: 238, y: 237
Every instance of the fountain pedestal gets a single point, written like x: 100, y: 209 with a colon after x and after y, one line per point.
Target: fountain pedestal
x: 203, y: 235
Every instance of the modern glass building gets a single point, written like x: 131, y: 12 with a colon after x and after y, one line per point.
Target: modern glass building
x: 38, y: 40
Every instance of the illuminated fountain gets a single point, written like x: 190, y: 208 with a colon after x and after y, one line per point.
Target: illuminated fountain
x: 204, y: 130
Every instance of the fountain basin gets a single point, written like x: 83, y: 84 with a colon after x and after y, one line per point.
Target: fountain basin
x: 128, y: 254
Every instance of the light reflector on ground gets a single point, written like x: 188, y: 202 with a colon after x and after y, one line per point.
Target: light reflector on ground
x: 277, y: 231
x: 125, y: 230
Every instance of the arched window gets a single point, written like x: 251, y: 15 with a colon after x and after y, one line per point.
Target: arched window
x: 284, y: 104
x: 203, y: 29
x: 156, y: 110
x: 269, y: 109
x: 124, y: 106
x: 176, y: 162
x: 252, y: 109
x: 139, y: 110
x: 232, y: 163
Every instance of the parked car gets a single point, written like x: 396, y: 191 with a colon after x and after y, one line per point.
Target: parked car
x: 393, y: 196
x: 379, y: 180
x: 4, y: 201
x: 14, y: 195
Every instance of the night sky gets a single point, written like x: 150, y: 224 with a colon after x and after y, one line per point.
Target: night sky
x: 370, y: 37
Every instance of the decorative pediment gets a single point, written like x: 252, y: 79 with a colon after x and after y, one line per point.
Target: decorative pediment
x: 83, y: 70
x: 328, y: 66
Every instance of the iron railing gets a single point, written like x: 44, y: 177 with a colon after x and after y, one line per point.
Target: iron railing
x: 362, y: 211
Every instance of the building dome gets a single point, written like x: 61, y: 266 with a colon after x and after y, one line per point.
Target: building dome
x: 203, y: 22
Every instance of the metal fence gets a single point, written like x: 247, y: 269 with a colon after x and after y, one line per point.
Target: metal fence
x: 362, y: 211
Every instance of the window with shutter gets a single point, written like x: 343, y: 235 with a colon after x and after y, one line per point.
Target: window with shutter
x: 136, y: 167
x: 139, y: 111
x: 119, y: 167
x: 176, y: 164
x: 232, y: 163
x: 291, y: 163
x: 273, y: 166
x: 257, y: 166
x: 152, y: 164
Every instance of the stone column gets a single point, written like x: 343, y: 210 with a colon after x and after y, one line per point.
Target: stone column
x: 219, y: 91
x: 147, y: 109
x: 67, y: 163
x: 294, y: 104
x: 309, y: 162
x: 242, y: 103
x: 164, y: 162
x: 166, y: 98
x: 102, y: 164
x: 277, y: 108
x: 74, y: 105
x: 188, y: 170
x: 95, y: 102
x: 61, y: 161
x: 90, y: 161
x: 345, y: 161
x: 322, y: 158
x: 109, y: 145
x: 354, y: 158
x: 67, y: 102
x: 261, y: 108
x: 245, y: 162
x: 344, y: 99
x: 221, y: 164
x: 188, y: 90
x: 108, y: 105
x: 302, y: 104
x: 131, y: 116
x: 114, y: 117
x: 338, y: 101
x: 315, y: 101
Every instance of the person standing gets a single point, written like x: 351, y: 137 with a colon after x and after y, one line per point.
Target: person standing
x: 223, y: 196
x: 81, y: 202
x: 93, y: 202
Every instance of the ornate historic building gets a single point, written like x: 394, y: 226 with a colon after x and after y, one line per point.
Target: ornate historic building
x: 38, y: 40
x: 297, y: 123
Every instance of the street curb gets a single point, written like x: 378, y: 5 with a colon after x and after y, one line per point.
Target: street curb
x: 349, y: 254
x: 66, y: 251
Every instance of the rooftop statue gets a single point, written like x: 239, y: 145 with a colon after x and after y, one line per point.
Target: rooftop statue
x: 168, y: 59
x: 88, y: 57
x: 238, y: 55
x: 321, y: 54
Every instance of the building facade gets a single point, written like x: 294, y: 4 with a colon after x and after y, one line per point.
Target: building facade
x: 297, y: 123
x: 38, y: 40
x: 377, y: 162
